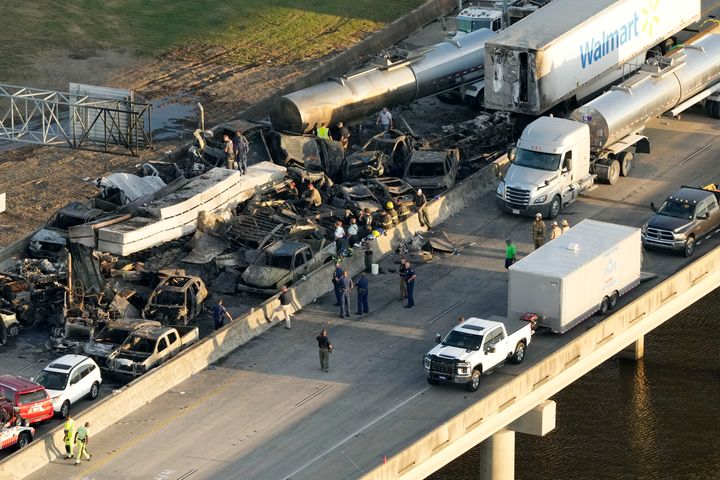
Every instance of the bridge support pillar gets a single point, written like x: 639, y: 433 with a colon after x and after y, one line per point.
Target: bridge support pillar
x: 634, y: 351
x: 497, y: 456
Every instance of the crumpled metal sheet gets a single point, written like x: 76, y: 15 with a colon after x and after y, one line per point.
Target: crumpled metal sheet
x: 133, y: 186
x: 204, y: 248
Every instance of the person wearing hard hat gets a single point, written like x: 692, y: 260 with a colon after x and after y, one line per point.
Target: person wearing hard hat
x: 555, y: 231
x: 390, y: 209
x: 565, y: 226
x: 538, y: 231
x: 421, y: 203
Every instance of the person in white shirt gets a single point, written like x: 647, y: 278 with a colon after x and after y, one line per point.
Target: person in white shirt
x: 385, y: 118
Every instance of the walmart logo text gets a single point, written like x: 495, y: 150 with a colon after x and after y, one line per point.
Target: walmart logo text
x: 595, y: 49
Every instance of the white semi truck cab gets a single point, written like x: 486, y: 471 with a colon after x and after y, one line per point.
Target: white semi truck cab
x: 550, y: 167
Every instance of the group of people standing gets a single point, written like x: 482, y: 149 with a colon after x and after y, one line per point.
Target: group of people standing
x: 539, y: 229
x: 407, y: 276
x: 343, y: 286
x: 76, y: 438
x: 236, y: 150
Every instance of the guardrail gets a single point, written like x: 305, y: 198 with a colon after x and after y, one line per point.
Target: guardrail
x: 543, y: 380
x: 210, y: 349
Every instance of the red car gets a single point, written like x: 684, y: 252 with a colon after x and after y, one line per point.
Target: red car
x: 30, y: 400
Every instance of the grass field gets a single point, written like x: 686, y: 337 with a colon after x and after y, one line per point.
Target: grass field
x: 254, y: 30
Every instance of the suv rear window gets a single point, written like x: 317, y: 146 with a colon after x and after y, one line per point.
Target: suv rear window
x: 32, y: 397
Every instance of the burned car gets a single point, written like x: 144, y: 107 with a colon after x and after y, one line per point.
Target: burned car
x: 353, y: 197
x: 391, y: 189
x: 282, y: 263
x: 176, y: 300
x: 112, y: 336
x: 51, y: 240
x: 396, y: 147
x: 434, y: 171
x: 311, y: 153
x: 365, y: 164
x: 9, y: 325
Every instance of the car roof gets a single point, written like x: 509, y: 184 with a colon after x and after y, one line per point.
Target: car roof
x: 428, y: 156
x: 19, y: 383
x: 692, y: 195
x: 66, y: 363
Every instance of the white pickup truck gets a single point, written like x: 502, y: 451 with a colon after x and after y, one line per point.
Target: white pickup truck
x: 471, y: 349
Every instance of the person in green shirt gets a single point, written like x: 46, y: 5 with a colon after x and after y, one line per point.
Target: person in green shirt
x: 510, y: 252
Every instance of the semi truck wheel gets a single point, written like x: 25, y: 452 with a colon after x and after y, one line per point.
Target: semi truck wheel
x: 554, y: 209
x: 519, y: 354
x: 613, y: 173
x: 626, y: 163
x: 474, y: 382
x: 689, y: 247
x: 712, y: 108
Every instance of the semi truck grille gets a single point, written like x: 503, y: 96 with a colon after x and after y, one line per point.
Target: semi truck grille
x: 442, y: 366
x: 659, y: 235
x: 517, y: 197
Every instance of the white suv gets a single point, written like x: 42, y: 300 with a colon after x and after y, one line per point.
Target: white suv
x: 69, y: 379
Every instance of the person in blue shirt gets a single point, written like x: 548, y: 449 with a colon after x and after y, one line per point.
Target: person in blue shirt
x: 410, y: 284
x: 346, y: 285
x: 218, y: 312
x: 337, y: 276
x: 362, y: 295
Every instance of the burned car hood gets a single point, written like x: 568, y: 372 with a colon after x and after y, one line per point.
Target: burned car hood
x: 263, y: 276
x: 665, y: 222
x: 95, y: 349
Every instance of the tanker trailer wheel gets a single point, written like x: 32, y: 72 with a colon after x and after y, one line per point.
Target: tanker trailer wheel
x: 626, y: 163
x: 712, y: 108
x: 613, y: 173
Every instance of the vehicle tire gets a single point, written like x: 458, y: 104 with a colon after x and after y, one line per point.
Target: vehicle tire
x: 474, y: 382
x: 614, y: 300
x: 431, y: 381
x: 64, y: 409
x: 689, y: 247
x: 604, y: 306
x: 613, y: 172
x: 94, y: 391
x: 23, y: 440
x: 712, y: 108
x: 519, y: 354
x: 626, y: 163
x: 554, y: 209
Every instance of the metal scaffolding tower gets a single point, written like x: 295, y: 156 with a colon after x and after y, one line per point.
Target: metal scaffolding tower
x: 89, y: 118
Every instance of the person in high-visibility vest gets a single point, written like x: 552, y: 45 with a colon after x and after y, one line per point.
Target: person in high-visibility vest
x: 68, y: 434
x: 323, y: 132
x: 82, y: 437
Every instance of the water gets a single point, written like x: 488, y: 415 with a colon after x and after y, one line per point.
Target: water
x: 658, y: 418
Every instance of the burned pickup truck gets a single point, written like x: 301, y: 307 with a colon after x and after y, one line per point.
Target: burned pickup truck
x: 283, y: 263
x: 176, y: 300
x: 434, y: 171
x: 112, y: 336
x: 150, y: 346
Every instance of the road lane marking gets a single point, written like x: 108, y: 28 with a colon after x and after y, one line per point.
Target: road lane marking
x: 357, y: 432
x: 439, y: 315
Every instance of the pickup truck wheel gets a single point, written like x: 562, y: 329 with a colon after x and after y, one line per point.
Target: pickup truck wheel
x: 614, y: 300
x: 613, y: 173
x: 64, y: 409
x: 554, y: 209
x: 23, y: 439
x: 519, y: 354
x: 604, y: 306
x: 431, y: 381
x: 626, y: 163
x: 94, y: 391
x: 689, y: 247
x: 474, y: 382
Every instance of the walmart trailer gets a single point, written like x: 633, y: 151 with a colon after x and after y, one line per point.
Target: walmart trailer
x: 583, y: 271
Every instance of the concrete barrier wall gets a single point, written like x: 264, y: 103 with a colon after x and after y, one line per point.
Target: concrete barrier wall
x: 358, y: 53
x: 545, y: 379
x: 240, y: 331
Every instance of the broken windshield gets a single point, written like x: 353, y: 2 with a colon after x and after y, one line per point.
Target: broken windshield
x: 139, y: 344
x: 463, y: 340
x: 537, y: 160
x: 278, y: 261
x: 425, y: 169
x: 169, y: 298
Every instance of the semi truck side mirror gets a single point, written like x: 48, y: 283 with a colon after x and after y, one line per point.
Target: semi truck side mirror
x: 438, y: 338
x: 653, y: 207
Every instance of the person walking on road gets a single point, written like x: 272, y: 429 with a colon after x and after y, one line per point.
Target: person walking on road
x: 565, y: 226
x: 421, y: 205
x: 82, y: 438
x: 229, y: 152
x: 69, y: 436
x: 242, y: 149
x: 219, y: 314
x: 538, y: 231
x: 324, y: 349
x: 285, y: 307
x: 510, y: 253
x: 555, y: 231
x: 362, y: 294
x: 346, y: 285
x: 401, y: 275
x: 337, y: 276
x: 385, y: 118
x: 410, y: 282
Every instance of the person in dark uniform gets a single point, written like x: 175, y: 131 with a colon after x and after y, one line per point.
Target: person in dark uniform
x: 324, y: 349
x: 401, y: 275
x: 219, y: 313
x: 362, y: 294
x: 337, y: 276
x: 346, y: 285
x: 292, y: 192
x: 410, y: 284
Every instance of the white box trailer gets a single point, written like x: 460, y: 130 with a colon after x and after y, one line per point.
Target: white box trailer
x: 574, y: 48
x: 583, y: 271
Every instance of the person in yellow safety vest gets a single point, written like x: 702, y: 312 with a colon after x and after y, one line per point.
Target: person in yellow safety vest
x: 323, y: 132
x: 386, y: 220
x: 68, y: 434
x: 82, y: 438
x: 390, y: 209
